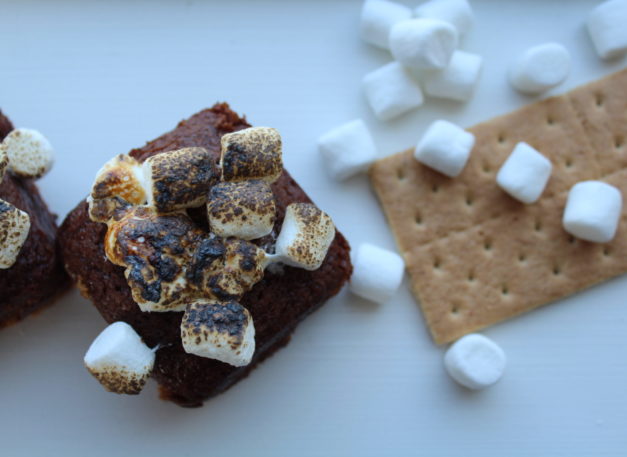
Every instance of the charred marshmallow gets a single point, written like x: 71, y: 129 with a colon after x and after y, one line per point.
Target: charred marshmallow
x: 14, y: 228
x: 179, y: 179
x: 243, y: 209
x: 377, y: 273
x: 391, y: 91
x: 378, y: 17
x: 219, y: 330
x: 4, y: 161
x: 475, y: 361
x: 606, y: 25
x: 120, y: 360
x: 252, y: 153
x: 445, y: 147
x: 118, y: 184
x: 539, y: 68
x: 524, y: 174
x: 458, y: 80
x: 423, y: 43
x: 305, y: 236
x: 30, y: 153
x: 456, y: 12
x: 593, y: 210
x: 347, y: 149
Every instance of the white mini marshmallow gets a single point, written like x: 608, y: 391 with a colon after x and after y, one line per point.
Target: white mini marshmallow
x: 378, y: 17
x: 608, y: 30
x: 593, y: 210
x: 539, y: 68
x: 348, y: 149
x: 456, y: 12
x: 423, y: 43
x: 391, y: 91
x: 458, y: 80
x: 524, y: 174
x: 30, y: 153
x: 377, y: 273
x: 445, y: 147
x: 475, y: 361
x: 14, y: 228
x: 120, y: 360
x: 306, y: 234
x: 222, y: 331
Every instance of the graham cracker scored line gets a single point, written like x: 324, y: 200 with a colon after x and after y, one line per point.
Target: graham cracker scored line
x: 475, y: 255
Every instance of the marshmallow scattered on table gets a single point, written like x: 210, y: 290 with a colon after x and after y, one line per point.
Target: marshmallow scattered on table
x: 445, y: 147
x: 456, y: 12
x: 30, y: 154
x: 475, y: 361
x: 539, y: 68
x: 593, y: 210
x: 377, y: 273
x: 391, y: 91
x: 378, y: 17
x: 423, y: 43
x: 244, y: 209
x: 524, y: 174
x: 348, y: 149
x: 458, y: 80
x: 14, y: 228
x: 222, y: 331
x: 252, y: 153
x: 306, y: 234
x: 607, y: 25
x: 120, y: 360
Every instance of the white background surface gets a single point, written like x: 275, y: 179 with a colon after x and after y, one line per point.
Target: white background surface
x: 99, y: 78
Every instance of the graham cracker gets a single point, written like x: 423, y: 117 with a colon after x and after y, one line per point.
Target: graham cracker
x: 474, y: 254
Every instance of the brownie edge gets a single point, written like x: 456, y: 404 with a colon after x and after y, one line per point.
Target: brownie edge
x: 277, y: 303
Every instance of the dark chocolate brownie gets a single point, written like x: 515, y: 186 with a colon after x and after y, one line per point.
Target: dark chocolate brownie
x: 277, y: 303
x: 37, y: 277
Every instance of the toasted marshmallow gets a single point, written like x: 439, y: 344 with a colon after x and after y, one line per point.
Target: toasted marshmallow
x: 243, y: 209
x: 222, y: 331
x: 391, y: 91
x: 156, y: 251
x: 456, y: 12
x: 423, y: 43
x: 4, y: 161
x: 30, y: 153
x: 179, y: 179
x: 14, y: 228
x: 475, y: 361
x: 305, y: 237
x: 377, y: 18
x: 606, y: 25
x: 118, y: 184
x: 592, y: 211
x: 252, y: 153
x: 120, y: 360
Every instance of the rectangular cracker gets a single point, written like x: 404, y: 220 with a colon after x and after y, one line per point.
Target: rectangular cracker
x: 475, y: 255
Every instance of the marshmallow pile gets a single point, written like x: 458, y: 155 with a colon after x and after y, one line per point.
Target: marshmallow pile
x: 173, y: 264
x: 27, y: 154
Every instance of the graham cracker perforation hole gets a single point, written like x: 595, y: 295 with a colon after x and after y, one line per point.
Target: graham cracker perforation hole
x: 418, y: 219
x: 538, y: 226
x: 487, y: 245
x: 618, y: 142
x: 469, y: 199
x: 550, y: 120
x: 607, y: 251
x: 504, y: 289
x: 568, y: 162
x: 455, y: 309
x: 501, y: 138
x: 572, y: 239
x: 557, y: 270
x: 599, y: 99
x: 435, y: 188
x: 487, y: 168
x: 437, y: 264
x: 471, y: 276
x: 400, y: 174
x: 522, y: 257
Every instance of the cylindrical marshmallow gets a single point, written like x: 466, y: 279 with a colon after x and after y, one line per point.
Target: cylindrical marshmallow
x: 458, y: 80
x: 593, y: 210
x: 524, y: 174
x: 378, y: 17
x: 456, y: 12
x: 445, y: 147
x: 607, y: 24
x: 475, y: 361
x: 348, y: 149
x: 539, y: 68
x: 391, y: 91
x: 423, y: 43
x: 377, y: 273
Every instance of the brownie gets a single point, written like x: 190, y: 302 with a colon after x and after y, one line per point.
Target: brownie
x: 277, y: 303
x: 37, y: 277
